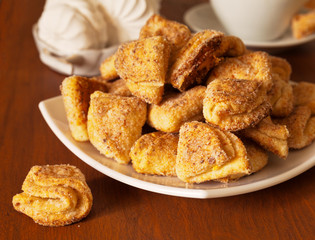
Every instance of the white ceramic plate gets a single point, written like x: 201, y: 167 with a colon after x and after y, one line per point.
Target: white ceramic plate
x: 202, y: 16
x: 275, y: 172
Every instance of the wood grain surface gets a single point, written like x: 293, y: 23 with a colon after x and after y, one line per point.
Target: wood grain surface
x: 285, y: 211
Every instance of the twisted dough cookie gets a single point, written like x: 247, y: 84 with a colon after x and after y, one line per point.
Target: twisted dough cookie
x: 301, y: 126
x: 255, y: 66
x: 54, y: 195
x: 206, y: 153
x: 272, y: 137
x: 233, y: 105
x: 195, y: 59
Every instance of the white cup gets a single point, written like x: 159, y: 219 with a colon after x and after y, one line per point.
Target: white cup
x: 256, y: 20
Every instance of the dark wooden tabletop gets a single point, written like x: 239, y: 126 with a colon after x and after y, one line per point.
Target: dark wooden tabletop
x: 284, y: 211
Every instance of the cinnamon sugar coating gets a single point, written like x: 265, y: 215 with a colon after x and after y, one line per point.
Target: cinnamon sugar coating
x: 155, y: 153
x: 76, y: 92
x: 206, y: 153
x: 54, y: 195
x: 234, y: 105
x: 195, y: 59
x: 115, y: 123
x: 143, y: 64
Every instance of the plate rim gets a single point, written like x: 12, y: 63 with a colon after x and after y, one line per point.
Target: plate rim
x: 163, y: 189
x: 249, y: 43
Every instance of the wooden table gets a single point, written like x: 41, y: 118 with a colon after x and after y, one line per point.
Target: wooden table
x: 285, y: 211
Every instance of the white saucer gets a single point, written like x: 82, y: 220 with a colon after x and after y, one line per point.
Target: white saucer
x: 202, y: 16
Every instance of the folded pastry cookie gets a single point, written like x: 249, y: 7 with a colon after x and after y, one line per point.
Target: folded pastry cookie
x: 206, y: 153
x: 233, y: 104
x: 281, y: 67
x: 119, y: 88
x: 281, y: 97
x: 176, y: 109
x: 155, y: 153
x: 177, y: 34
x: 250, y: 66
x: 195, y: 59
x: 272, y: 137
x: 281, y: 93
x: 143, y: 65
x: 257, y: 156
x: 107, y: 68
x: 301, y: 126
x: 115, y: 123
x: 231, y: 46
x: 54, y: 195
x: 76, y: 93
x: 304, y: 94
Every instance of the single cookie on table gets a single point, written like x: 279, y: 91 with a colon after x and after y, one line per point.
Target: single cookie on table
x: 233, y: 104
x: 303, y: 24
x: 176, y: 109
x: 54, y: 195
x: 115, y: 123
x: 304, y: 95
x: 155, y: 153
x: 143, y: 64
x: 195, y: 59
x: 272, y: 137
x: 301, y: 126
x: 76, y: 93
x: 177, y: 34
x: 206, y: 153
x: 255, y: 66
x: 108, y: 70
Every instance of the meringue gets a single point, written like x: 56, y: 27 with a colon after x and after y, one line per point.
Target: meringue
x: 126, y: 17
x: 72, y: 25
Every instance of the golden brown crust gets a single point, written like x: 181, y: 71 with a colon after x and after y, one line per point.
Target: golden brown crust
x: 206, y: 153
x: 149, y: 93
x: 155, y: 153
x: 76, y: 92
x: 143, y: 65
x: 281, y: 67
x: 304, y: 94
x: 108, y: 70
x: 301, y: 126
x: 195, y: 60
x: 115, y: 123
x: 303, y: 25
x: 257, y: 156
x: 177, y: 34
x: 176, y: 109
x: 250, y: 66
x: 281, y: 97
x: 233, y: 104
x: 231, y: 46
x: 119, y: 88
x: 54, y: 195
x: 272, y: 137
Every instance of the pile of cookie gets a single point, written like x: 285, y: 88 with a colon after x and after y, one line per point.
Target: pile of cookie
x: 197, y: 106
